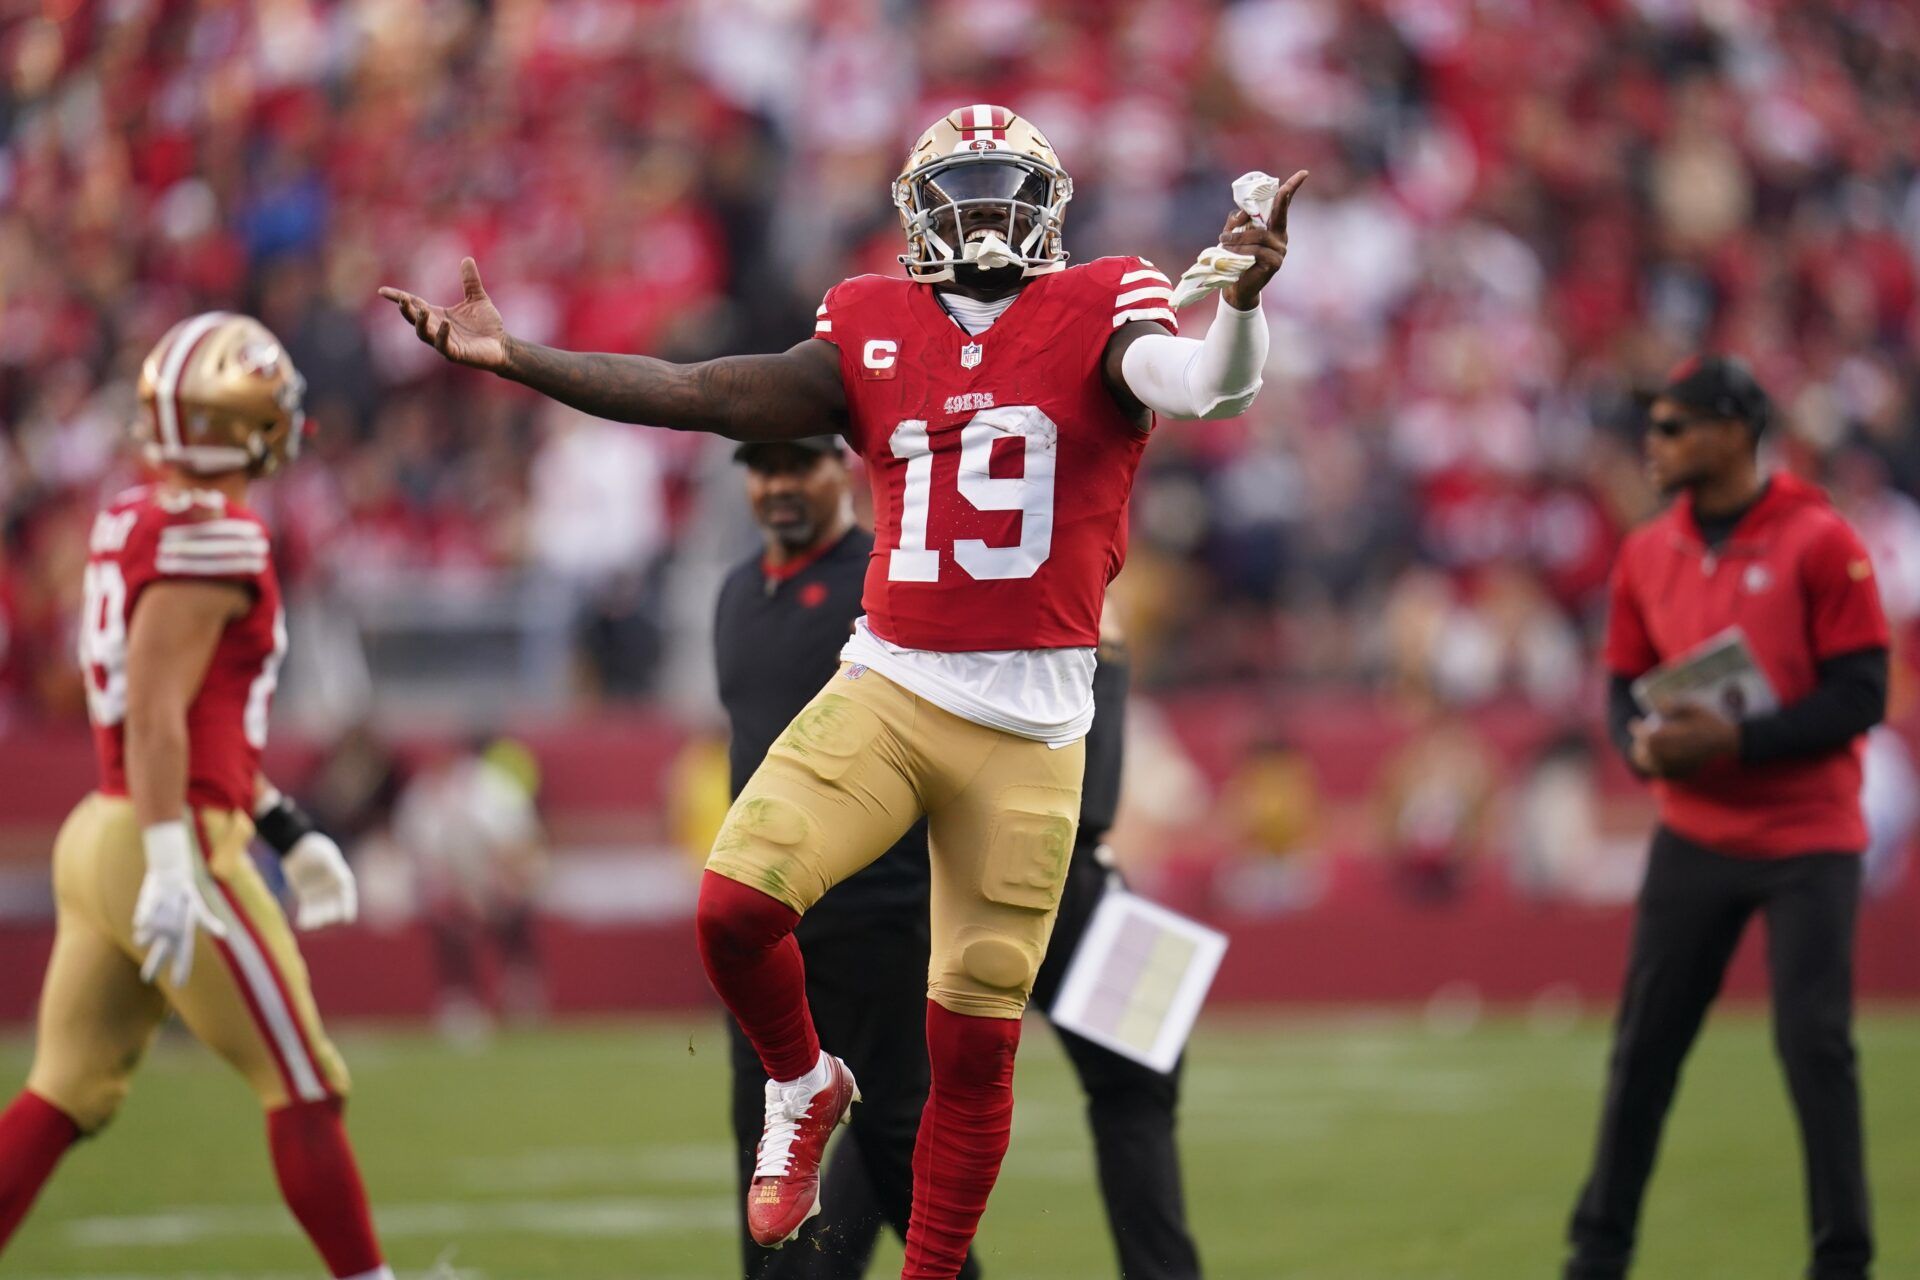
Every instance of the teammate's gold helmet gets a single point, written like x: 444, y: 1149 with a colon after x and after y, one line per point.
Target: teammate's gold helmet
x: 982, y: 187
x: 219, y: 393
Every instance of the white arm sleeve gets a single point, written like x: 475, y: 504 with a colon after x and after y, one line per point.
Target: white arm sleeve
x: 1212, y: 377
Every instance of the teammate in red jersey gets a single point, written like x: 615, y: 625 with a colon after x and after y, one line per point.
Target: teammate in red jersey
x: 159, y: 905
x: 1001, y: 400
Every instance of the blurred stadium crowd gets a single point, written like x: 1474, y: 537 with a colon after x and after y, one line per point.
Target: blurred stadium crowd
x: 1519, y: 212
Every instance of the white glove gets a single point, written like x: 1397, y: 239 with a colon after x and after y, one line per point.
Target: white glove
x: 170, y: 907
x: 323, y: 885
x: 1216, y: 268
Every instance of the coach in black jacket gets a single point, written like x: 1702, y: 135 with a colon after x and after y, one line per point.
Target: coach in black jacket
x: 782, y: 619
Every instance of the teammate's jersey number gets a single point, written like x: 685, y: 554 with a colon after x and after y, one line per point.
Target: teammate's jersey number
x: 103, y: 642
x: 1030, y: 493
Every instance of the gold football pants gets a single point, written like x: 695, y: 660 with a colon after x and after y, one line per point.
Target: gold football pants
x: 247, y: 998
x: 857, y: 767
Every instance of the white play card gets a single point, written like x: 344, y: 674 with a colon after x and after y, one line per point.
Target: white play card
x: 1138, y: 979
x: 1720, y: 674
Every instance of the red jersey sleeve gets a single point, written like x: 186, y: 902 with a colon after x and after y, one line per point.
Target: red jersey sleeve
x: 1843, y: 596
x: 204, y: 543
x: 823, y: 318
x: 1142, y: 292
x: 1629, y: 649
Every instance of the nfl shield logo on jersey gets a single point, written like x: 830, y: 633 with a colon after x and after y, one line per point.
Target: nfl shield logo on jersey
x: 970, y: 355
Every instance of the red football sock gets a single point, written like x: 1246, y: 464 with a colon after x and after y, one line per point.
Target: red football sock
x: 321, y: 1184
x: 753, y: 962
x: 963, y: 1137
x: 34, y: 1134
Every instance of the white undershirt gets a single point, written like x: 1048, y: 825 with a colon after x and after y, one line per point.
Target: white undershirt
x: 1043, y: 694
x: 972, y: 314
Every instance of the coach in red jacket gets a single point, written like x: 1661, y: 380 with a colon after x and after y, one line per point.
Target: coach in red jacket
x: 1761, y: 815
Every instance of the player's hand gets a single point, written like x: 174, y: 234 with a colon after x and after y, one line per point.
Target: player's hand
x: 1267, y: 244
x: 1684, y: 738
x: 468, y: 332
x: 170, y: 908
x: 324, y: 891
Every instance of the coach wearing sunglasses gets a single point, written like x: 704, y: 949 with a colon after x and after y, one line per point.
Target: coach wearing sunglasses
x: 1757, y: 815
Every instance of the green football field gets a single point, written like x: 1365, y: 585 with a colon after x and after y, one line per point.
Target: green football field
x: 1333, y: 1148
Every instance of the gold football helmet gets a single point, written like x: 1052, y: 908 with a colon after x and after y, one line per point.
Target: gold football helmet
x: 982, y: 187
x: 219, y: 393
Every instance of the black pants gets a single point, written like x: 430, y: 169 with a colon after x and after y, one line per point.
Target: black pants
x: 1130, y: 1109
x: 867, y: 985
x: 1693, y: 907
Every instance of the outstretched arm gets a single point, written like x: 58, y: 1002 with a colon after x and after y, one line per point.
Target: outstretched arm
x: 788, y: 396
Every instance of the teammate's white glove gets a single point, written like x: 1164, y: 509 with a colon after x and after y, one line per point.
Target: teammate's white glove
x: 323, y: 887
x: 1216, y: 268
x: 170, y: 908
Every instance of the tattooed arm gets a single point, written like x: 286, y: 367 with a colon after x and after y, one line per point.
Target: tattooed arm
x: 788, y: 396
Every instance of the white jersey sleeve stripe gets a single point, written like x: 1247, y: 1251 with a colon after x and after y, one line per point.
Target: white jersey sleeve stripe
x: 825, y: 326
x: 1141, y: 295
x: 212, y: 567
x: 239, y: 555
x: 216, y: 557
x: 1144, y: 313
x: 237, y: 552
x: 212, y: 540
x: 210, y: 531
x: 213, y: 546
x: 176, y: 531
x: 1146, y: 273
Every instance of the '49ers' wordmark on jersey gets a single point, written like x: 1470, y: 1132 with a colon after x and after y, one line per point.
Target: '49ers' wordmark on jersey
x: 1000, y: 463
x: 150, y: 535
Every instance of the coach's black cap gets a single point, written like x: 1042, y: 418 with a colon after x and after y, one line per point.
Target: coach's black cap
x: 808, y: 444
x: 1720, y: 387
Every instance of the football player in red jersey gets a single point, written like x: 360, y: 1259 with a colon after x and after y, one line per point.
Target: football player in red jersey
x: 159, y: 905
x: 1001, y: 400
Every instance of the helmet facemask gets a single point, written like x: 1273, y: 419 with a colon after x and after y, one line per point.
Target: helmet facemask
x: 278, y: 441
x: 989, y: 211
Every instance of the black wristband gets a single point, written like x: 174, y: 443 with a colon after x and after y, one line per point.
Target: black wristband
x: 283, y: 825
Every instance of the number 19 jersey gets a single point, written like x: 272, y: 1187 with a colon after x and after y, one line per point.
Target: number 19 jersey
x: 151, y: 535
x: 1000, y: 463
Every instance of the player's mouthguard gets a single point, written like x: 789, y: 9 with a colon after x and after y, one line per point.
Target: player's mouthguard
x: 988, y: 250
